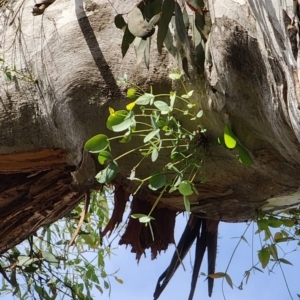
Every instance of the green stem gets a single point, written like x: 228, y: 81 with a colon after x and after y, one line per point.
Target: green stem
x: 157, y: 200
x: 146, y: 124
x: 130, y: 151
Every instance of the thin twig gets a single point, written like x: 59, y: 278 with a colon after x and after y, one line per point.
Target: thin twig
x: 83, y: 214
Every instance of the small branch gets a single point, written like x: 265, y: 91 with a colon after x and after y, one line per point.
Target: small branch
x: 83, y: 214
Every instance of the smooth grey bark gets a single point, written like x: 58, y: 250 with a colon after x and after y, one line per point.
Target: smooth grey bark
x: 252, y: 83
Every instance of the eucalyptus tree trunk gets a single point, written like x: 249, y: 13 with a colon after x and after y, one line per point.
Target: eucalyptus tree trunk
x: 67, y: 62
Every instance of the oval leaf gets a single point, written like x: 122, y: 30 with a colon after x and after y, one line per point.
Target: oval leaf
x: 217, y: 275
x: 151, y: 135
x: 264, y: 257
x: 244, y: 156
x: 119, y: 121
x: 97, y: 143
x: 229, y: 281
x: 229, y: 137
x: 274, y: 222
x: 185, y: 188
x: 131, y: 93
x: 144, y: 99
x: 157, y: 181
x: 163, y: 25
x: 108, y: 174
x: 154, y: 155
x: 103, y: 156
x: 162, y: 106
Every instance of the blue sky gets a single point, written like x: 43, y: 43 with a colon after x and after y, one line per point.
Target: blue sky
x: 140, y: 280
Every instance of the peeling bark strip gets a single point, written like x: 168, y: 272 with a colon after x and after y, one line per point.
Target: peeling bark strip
x: 120, y: 197
x: 205, y: 232
x: 37, y: 160
x: 138, y: 236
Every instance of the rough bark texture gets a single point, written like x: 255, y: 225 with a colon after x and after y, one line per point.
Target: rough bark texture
x: 74, y: 56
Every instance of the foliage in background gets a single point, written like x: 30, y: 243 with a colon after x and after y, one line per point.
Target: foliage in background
x: 46, y: 267
x: 173, y: 25
x: 275, y: 233
x: 10, y: 73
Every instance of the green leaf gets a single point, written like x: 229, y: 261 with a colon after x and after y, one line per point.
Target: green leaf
x: 157, y: 181
x: 199, y: 114
x: 199, y: 42
x: 268, y: 234
x: 229, y: 281
x: 179, y: 22
x: 264, y: 257
x: 131, y: 93
x: 120, y: 22
x: 137, y: 216
x: 108, y: 174
x: 25, y: 260
x: 139, y: 47
x: 154, y: 155
x: 151, y: 135
x: 282, y: 260
x: 288, y: 222
x: 273, y: 251
x: 162, y: 106
x: 187, y: 204
x: 278, y: 236
x: 128, y: 38
x: 49, y: 257
x: 163, y: 25
x: 103, y: 156
x: 168, y: 42
x: 229, y: 137
x: 118, y: 280
x: 119, y: 121
x: 274, y: 222
x: 145, y: 219
x: 97, y: 143
x: 147, y: 53
x: 172, y: 98
x: 217, y: 275
x: 144, y: 99
x: 88, y: 240
x: 263, y: 224
x: 99, y: 288
x: 126, y: 137
x: 244, y: 156
x: 185, y: 188
x: 106, y: 284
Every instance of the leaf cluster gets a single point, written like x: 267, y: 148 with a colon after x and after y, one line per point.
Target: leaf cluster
x: 229, y: 141
x: 152, y: 118
x: 173, y: 25
x: 45, y: 267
